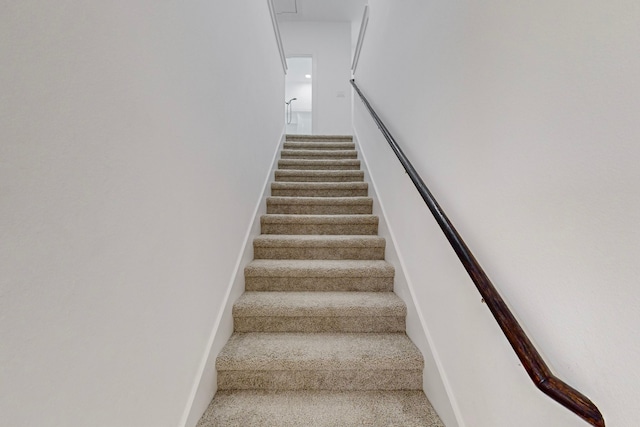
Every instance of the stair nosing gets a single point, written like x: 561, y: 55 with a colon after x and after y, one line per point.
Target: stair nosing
x: 320, y: 171
x: 319, y: 200
x: 337, y: 240
x: 321, y: 161
x: 349, y: 185
x: 316, y: 218
x: 300, y: 137
x: 319, y: 304
x: 300, y: 351
x: 319, y: 268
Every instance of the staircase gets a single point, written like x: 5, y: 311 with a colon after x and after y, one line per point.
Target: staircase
x: 319, y: 334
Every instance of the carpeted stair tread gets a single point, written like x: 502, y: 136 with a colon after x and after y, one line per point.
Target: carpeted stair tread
x: 318, y: 205
x: 291, y: 200
x: 258, y: 351
x: 318, y: 268
x: 305, y: 241
x: 304, y: 408
x: 319, y: 304
x: 347, y: 138
x: 319, y: 224
x: 309, y: 246
x: 299, y: 275
x: 370, y: 312
x: 320, y: 189
x: 318, y: 154
x: 301, y: 175
x: 321, y: 379
x: 319, y: 164
x: 318, y: 145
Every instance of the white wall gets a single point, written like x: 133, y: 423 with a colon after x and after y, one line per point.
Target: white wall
x: 523, y: 120
x: 301, y: 91
x: 330, y: 45
x: 129, y: 173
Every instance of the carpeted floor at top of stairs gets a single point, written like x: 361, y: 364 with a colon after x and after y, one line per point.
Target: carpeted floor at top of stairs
x: 319, y: 336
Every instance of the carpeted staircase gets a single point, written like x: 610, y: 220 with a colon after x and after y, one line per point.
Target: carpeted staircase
x: 319, y: 334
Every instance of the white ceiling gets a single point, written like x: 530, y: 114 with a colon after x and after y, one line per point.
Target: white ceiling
x: 319, y: 10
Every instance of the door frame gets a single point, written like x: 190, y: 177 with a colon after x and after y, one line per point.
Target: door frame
x: 314, y: 85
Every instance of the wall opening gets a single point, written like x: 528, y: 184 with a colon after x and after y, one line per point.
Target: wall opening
x: 298, y: 95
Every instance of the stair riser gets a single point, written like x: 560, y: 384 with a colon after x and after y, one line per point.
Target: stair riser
x: 307, y: 166
x: 318, y: 284
x: 318, y: 253
x: 319, y: 154
x: 319, y: 178
x: 311, y: 192
x: 322, y: 229
x: 319, y: 138
x: 319, y: 146
x: 369, y: 379
x: 365, y: 324
x: 297, y: 209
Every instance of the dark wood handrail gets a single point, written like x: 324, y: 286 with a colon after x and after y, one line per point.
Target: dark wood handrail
x: 531, y: 360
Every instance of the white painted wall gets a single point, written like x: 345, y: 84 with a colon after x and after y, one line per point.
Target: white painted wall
x: 301, y: 91
x: 330, y: 45
x: 523, y: 120
x: 130, y: 169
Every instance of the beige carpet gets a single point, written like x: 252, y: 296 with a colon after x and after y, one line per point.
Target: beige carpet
x: 319, y: 334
